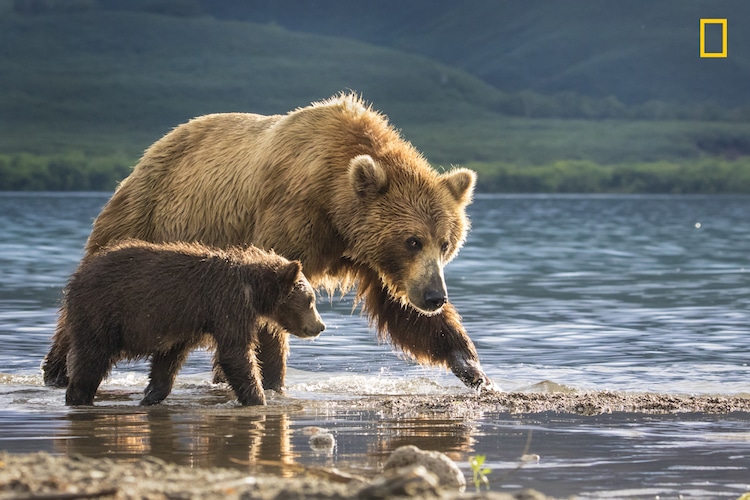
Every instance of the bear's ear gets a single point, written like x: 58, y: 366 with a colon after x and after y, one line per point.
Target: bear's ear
x: 460, y: 183
x: 288, y: 274
x: 367, y: 177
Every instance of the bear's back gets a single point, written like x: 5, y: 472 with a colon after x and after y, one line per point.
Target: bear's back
x: 270, y: 181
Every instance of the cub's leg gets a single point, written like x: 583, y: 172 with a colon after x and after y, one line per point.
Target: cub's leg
x: 86, y: 369
x: 164, y: 368
x: 271, y: 353
x: 240, y: 367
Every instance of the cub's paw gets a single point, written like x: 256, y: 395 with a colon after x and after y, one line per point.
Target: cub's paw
x: 154, y: 394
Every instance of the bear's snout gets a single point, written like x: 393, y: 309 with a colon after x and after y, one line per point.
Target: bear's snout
x: 310, y: 326
x: 431, y: 296
x: 314, y: 330
x: 434, y: 299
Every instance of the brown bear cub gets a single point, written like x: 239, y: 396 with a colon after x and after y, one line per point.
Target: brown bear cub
x: 136, y: 299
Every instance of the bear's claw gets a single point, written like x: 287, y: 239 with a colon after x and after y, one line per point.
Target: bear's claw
x: 470, y: 372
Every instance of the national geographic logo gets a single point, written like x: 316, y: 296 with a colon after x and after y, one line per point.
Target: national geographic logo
x: 713, y: 38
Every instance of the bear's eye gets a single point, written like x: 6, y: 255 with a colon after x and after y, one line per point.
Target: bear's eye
x: 444, y: 247
x: 413, y: 244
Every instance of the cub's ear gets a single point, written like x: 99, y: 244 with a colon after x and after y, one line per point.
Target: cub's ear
x: 367, y: 177
x: 288, y: 274
x: 460, y: 182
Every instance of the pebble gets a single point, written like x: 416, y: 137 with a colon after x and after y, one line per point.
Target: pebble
x: 445, y: 469
x: 323, y: 442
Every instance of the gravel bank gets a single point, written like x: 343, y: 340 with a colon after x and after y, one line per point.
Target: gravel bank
x: 42, y: 476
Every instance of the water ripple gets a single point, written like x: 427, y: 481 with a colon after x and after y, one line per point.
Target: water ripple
x: 622, y: 292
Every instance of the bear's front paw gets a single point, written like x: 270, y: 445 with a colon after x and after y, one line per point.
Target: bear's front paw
x: 470, y: 372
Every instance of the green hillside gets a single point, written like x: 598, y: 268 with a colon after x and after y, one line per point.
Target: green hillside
x: 84, y: 90
x: 635, y: 50
x: 139, y: 74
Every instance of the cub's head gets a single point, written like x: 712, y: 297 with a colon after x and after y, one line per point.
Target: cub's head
x: 297, y: 313
x: 410, y: 222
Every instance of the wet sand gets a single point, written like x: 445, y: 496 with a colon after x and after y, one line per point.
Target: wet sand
x: 580, y: 403
x: 45, y: 476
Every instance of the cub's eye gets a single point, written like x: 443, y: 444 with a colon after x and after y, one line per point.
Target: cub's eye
x: 444, y: 247
x: 413, y: 244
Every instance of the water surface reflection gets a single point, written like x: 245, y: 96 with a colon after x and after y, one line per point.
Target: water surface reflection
x: 195, y: 438
x: 611, y: 455
x: 623, y: 293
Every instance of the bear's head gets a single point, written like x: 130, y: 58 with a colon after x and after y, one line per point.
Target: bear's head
x: 297, y: 313
x: 410, y: 222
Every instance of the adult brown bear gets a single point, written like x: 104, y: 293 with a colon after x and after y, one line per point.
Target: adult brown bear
x: 136, y: 299
x: 332, y: 185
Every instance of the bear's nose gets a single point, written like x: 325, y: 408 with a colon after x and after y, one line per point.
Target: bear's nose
x: 434, y: 299
x: 315, y: 330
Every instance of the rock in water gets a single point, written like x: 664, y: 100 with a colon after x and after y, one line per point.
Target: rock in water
x: 446, y: 470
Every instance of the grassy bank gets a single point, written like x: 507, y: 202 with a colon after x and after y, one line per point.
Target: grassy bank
x: 708, y: 176
x: 77, y: 172
x: 73, y: 171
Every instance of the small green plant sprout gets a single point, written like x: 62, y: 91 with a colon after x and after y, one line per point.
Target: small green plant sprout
x: 480, y: 473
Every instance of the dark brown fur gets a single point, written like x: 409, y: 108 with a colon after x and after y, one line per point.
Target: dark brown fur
x: 137, y: 299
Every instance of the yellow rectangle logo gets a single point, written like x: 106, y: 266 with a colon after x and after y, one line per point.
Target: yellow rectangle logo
x: 723, y: 23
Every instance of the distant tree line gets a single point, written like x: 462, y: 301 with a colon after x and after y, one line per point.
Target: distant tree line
x: 570, y: 105
x: 25, y: 172
x: 708, y: 176
x: 74, y: 172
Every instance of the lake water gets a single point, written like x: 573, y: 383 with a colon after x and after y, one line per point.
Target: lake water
x: 623, y: 293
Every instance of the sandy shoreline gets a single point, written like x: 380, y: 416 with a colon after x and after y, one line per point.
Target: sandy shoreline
x: 45, y: 476
x: 580, y: 403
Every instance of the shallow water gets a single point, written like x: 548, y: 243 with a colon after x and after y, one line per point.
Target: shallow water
x: 625, y: 293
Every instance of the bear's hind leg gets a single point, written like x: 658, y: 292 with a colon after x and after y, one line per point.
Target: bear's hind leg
x: 86, y: 370
x: 55, y: 364
x: 164, y: 368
